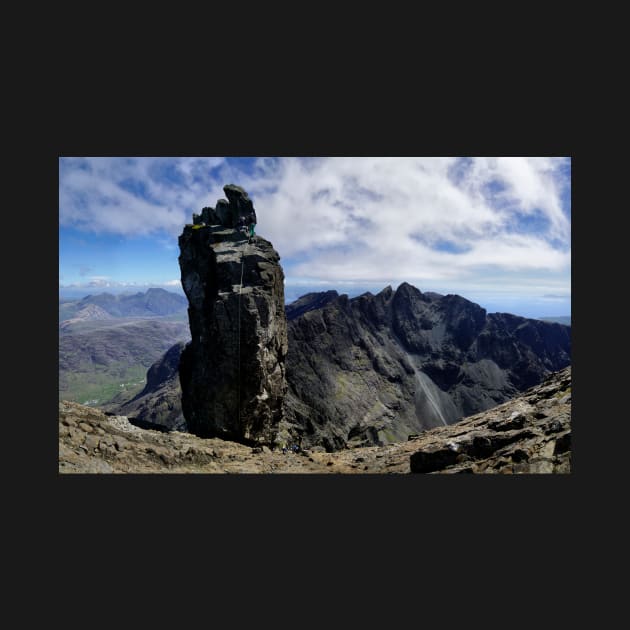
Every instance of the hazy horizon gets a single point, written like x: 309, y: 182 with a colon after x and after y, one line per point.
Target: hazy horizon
x: 291, y: 294
x: 495, y: 230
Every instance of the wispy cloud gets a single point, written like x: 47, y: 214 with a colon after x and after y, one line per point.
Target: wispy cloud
x: 450, y: 222
x: 133, y: 196
x: 377, y: 218
x: 556, y: 296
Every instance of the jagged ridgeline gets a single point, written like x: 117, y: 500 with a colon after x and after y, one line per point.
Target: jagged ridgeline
x: 232, y: 372
x: 330, y: 371
x: 376, y: 369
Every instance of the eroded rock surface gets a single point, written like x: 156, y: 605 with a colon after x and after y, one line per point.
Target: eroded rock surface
x: 375, y: 369
x: 232, y: 373
x: 528, y: 435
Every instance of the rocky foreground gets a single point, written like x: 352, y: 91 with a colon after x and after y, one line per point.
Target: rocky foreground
x: 529, y: 434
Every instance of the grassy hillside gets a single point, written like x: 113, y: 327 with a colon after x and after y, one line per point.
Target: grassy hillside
x: 99, y: 360
x: 98, y: 385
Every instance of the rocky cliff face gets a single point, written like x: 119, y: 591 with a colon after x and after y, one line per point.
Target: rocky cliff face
x: 377, y: 368
x: 232, y: 372
x: 160, y: 400
x: 529, y: 434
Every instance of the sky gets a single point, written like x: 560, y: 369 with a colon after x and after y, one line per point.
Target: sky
x: 495, y: 230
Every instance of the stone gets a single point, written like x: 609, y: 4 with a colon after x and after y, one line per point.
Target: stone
x: 432, y: 460
x: 538, y: 444
x: 232, y: 372
x: 519, y: 455
x: 92, y: 441
x: 515, y: 421
x: 563, y: 444
x: 378, y: 369
x: 553, y: 427
x: 481, y: 449
x: 541, y: 465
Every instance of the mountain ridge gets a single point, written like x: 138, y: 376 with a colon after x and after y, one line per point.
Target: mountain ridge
x: 376, y: 368
x: 155, y: 302
x: 388, y: 371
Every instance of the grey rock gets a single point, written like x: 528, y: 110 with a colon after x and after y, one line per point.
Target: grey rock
x: 378, y: 369
x: 92, y: 441
x: 539, y: 445
x: 232, y: 373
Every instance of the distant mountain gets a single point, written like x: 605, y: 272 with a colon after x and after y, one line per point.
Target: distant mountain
x: 87, y: 313
x: 152, y: 303
x: 103, y: 359
x: 160, y: 400
x: 309, y: 302
x: 376, y: 368
x: 564, y: 319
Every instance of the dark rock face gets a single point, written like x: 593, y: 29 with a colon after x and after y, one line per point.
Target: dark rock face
x: 232, y: 373
x: 309, y: 302
x: 528, y: 434
x: 531, y: 434
x: 159, y: 403
x: 377, y: 368
x: 227, y: 213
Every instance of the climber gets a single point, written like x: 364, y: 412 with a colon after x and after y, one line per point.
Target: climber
x: 251, y: 220
x: 241, y: 226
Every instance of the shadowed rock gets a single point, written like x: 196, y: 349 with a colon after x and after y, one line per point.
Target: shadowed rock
x: 159, y: 403
x: 531, y: 434
x: 227, y: 212
x: 232, y: 372
x: 376, y: 368
x: 488, y: 443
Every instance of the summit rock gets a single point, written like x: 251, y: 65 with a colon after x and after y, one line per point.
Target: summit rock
x: 232, y: 373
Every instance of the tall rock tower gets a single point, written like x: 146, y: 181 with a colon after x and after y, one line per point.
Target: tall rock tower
x: 232, y: 372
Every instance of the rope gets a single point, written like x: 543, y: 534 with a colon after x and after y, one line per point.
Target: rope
x: 240, y: 288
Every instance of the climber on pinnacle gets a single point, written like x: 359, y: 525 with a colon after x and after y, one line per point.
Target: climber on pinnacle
x: 242, y: 226
x: 251, y: 220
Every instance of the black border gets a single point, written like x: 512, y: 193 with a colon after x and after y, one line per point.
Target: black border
x: 298, y: 511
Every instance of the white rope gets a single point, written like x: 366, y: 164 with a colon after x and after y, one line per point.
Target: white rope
x: 240, y: 289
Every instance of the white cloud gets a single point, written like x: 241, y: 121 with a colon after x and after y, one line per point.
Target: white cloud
x: 434, y: 221
x: 530, y: 185
x: 134, y: 196
x: 370, y: 218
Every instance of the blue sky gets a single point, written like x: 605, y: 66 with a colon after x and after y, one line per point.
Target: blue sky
x: 495, y: 230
